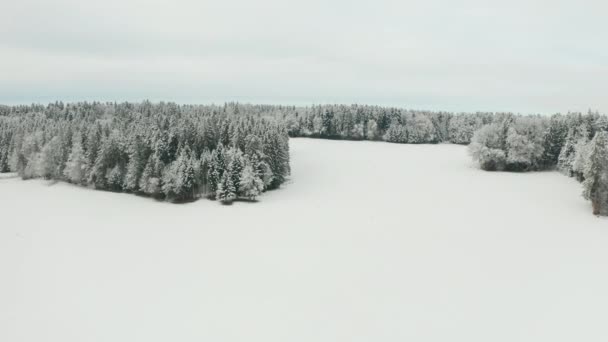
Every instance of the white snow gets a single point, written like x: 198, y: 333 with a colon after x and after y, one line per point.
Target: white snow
x: 367, y: 242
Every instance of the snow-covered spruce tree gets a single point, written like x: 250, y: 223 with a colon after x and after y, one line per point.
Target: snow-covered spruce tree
x: 578, y: 136
x: 595, y: 186
x: 139, y: 152
x: 276, y: 155
x: 201, y: 172
x: 150, y: 181
x: 179, y: 178
x: 225, y: 189
x: 6, y: 137
x: 216, y: 169
x: 76, y: 166
x: 582, y: 149
x: 235, y: 157
x: 554, y: 141
x: 110, y: 165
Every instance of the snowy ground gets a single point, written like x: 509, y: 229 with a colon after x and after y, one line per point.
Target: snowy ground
x: 367, y: 242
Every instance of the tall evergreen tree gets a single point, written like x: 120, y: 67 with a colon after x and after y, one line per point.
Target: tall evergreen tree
x: 75, y: 168
x: 226, y: 192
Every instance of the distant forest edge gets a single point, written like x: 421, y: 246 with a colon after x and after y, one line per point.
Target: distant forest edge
x: 167, y: 151
x: 181, y: 152
x: 574, y: 143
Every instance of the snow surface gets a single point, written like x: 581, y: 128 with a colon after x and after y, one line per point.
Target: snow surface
x: 367, y: 242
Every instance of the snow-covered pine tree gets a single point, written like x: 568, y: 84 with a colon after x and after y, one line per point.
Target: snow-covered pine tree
x: 595, y: 186
x: 225, y: 190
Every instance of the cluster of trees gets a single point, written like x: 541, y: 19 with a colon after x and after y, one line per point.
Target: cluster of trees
x: 168, y: 151
x: 360, y: 122
x: 575, y: 144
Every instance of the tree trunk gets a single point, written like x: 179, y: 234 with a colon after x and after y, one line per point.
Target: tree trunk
x: 596, y: 206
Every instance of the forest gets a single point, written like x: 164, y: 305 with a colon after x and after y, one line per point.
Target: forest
x: 182, y: 152
x: 167, y: 151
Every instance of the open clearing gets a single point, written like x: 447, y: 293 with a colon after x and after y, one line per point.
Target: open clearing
x: 366, y: 242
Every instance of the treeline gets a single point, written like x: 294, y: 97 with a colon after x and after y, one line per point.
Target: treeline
x: 167, y: 151
x: 181, y: 152
x: 361, y: 122
x: 575, y: 144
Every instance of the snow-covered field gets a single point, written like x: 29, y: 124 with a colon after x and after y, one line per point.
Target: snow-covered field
x: 367, y: 242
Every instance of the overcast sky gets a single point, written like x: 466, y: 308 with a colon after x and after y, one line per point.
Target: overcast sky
x: 523, y: 56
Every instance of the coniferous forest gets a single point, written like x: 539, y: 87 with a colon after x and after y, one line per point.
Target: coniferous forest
x: 167, y: 151
x: 182, y: 152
